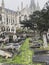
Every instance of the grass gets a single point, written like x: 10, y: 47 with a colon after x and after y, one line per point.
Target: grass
x: 25, y: 56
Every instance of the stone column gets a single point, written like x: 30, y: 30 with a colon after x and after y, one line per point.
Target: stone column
x: 14, y: 29
x: 2, y: 18
x: 45, y: 40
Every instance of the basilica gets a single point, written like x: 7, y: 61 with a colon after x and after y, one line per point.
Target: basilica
x: 10, y: 20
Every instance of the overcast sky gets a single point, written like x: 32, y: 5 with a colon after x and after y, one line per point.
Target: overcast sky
x: 13, y: 4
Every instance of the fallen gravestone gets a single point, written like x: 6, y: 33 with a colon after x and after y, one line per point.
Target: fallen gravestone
x: 41, y: 58
x: 40, y: 52
x: 11, y: 46
x: 5, y: 54
x: 36, y: 46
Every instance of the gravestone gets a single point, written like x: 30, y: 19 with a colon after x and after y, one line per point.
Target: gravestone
x: 41, y: 59
x: 15, y: 38
x: 40, y: 52
x: 44, y: 40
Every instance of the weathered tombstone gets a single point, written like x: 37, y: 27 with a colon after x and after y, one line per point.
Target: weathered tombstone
x: 45, y: 40
x: 41, y: 59
x: 5, y: 54
x: 14, y: 37
x: 24, y: 35
x: 40, y: 52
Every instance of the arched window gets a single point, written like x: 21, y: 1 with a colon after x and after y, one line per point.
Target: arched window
x: 12, y: 21
x: 8, y: 29
x: 12, y: 29
x: 3, y: 28
x: 7, y: 20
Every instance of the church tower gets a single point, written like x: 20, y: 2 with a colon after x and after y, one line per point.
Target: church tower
x: 3, y: 10
x: 32, y: 5
x: 21, y: 5
x: 2, y: 4
x: 38, y: 7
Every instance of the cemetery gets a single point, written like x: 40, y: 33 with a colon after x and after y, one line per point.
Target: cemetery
x: 25, y: 49
x: 9, y: 44
x: 29, y: 44
x: 22, y: 48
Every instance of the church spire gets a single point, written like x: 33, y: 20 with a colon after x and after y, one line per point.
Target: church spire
x: 33, y: 5
x: 2, y: 3
x: 18, y: 8
x: 38, y: 7
x: 21, y: 5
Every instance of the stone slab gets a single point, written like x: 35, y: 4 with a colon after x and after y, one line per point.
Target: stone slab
x: 41, y: 58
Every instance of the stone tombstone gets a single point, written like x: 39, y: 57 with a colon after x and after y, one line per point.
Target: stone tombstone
x: 24, y: 35
x: 14, y: 37
x: 45, y: 40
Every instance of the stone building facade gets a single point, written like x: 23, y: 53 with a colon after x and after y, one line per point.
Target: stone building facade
x: 10, y: 20
x: 25, y: 12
